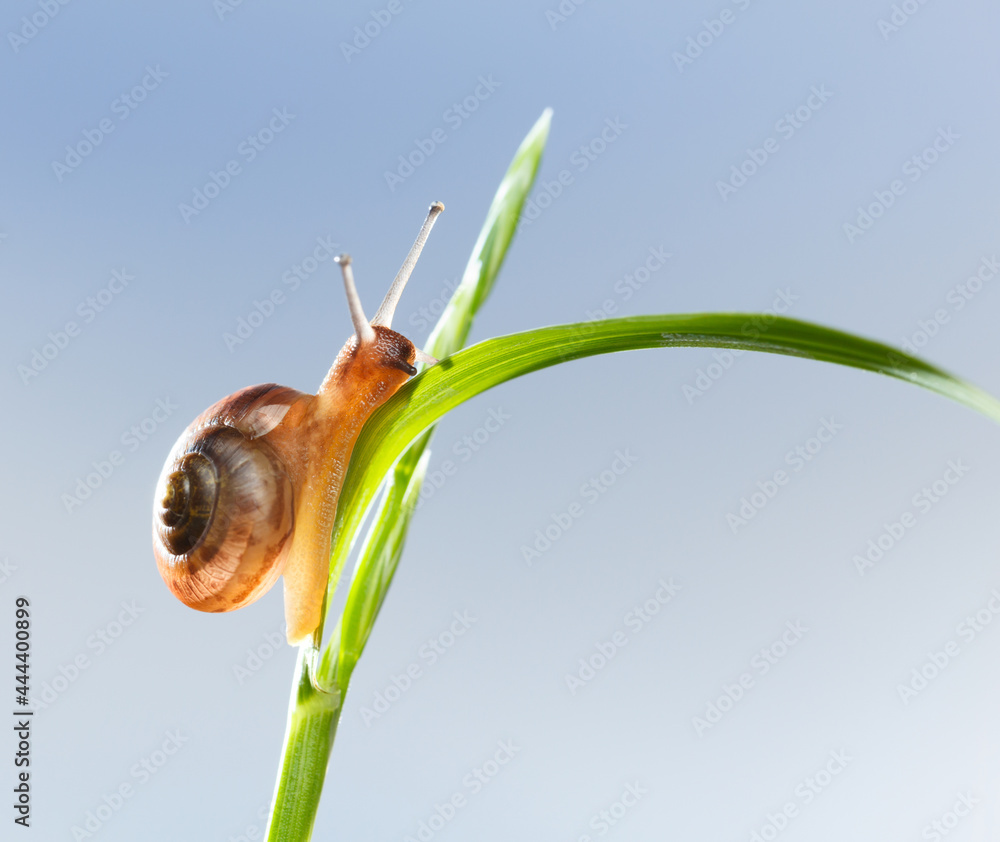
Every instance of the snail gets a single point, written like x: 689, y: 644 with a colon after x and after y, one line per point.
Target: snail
x: 249, y: 490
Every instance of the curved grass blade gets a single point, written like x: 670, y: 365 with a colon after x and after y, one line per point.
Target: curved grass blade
x: 377, y: 565
x: 423, y: 400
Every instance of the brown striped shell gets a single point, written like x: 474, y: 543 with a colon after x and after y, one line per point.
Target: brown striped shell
x: 224, y: 510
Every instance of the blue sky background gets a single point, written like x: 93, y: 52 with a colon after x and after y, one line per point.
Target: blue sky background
x: 213, y: 79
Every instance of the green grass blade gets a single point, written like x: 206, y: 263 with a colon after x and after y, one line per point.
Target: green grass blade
x: 309, y: 733
x: 377, y: 564
x: 491, y: 247
x: 423, y: 400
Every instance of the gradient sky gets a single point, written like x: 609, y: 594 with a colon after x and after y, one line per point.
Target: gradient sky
x: 831, y: 109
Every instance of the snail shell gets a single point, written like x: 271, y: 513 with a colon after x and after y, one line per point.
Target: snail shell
x: 225, y: 510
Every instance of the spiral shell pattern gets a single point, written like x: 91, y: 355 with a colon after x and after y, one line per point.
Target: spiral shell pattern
x: 223, y: 511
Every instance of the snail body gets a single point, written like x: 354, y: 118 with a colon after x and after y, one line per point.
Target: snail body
x: 250, y: 489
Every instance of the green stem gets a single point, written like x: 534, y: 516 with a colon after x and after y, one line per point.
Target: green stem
x: 312, y: 724
x: 313, y: 715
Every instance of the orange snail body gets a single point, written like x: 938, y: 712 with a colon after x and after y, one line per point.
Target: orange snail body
x: 249, y: 491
